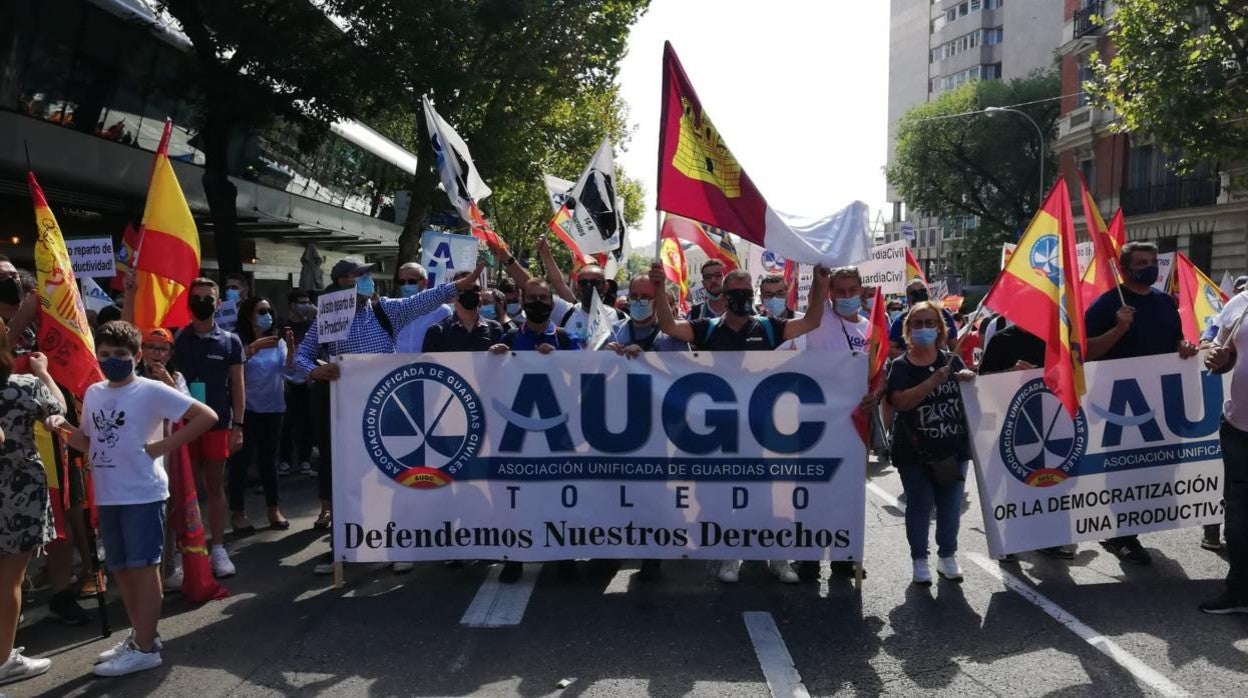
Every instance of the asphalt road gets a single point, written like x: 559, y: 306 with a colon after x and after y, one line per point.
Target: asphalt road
x: 1106, y: 629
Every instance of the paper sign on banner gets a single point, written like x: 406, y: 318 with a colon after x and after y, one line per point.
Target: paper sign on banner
x: 523, y: 457
x: 1142, y: 455
x: 1165, y: 267
x: 443, y: 254
x: 1083, y: 254
x: 334, y: 314
x: 227, y: 315
x: 92, y: 256
x: 886, y: 269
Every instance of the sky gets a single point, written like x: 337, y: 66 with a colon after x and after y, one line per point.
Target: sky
x: 797, y: 88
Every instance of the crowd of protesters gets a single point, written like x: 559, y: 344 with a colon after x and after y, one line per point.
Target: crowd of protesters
x: 247, y: 400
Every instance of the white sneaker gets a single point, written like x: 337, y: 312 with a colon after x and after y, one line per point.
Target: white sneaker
x: 19, y: 667
x: 174, y: 581
x: 783, y: 571
x: 221, y: 565
x: 729, y: 571
x: 948, y: 568
x: 922, y: 572
x: 116, y: 649
x: 401, y: 567
x: 130, y: 660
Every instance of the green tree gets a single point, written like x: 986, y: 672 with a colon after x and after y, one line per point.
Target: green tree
x: 254, y: 60
x: 1179, y: 74
x: 952, y: 160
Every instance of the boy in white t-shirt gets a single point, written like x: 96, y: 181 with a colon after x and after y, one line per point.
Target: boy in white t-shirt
x: 123, y: 434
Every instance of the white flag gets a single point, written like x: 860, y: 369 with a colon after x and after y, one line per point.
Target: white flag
x: 598, y: 222
x: 557, y: 189
x: 93, y: 297
x: 463, y: 184
x: 1228, y: 284
x: 601, y: 320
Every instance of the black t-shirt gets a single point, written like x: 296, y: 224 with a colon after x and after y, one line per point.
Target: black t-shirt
x: 450, y: 335
x: 938, y: 424
x: 715, y: 335
x: 1156, y: 328
x: 1008, y: 347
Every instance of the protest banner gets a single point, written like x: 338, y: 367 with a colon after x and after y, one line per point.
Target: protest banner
x: 589, y: 454
x: 92, y: 257
x: 1083, y: 253
x: 226, y: 315
x: 334, y: 314
x: 1141, y: 455
x: 886, y: 268
x: 443, y: 254
x: 1165, y: 266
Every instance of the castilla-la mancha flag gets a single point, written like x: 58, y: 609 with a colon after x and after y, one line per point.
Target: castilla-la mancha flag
x: 1039, y: 291
x: 700, y: 179
x: 167, y: 260
x: 64, y: 334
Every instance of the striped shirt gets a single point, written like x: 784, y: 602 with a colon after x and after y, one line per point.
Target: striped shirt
x: 367, y: 335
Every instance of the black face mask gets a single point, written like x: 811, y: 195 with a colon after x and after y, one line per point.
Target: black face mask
x: 537, y: 311
x: 739, y: 301
x: 10, y: 291
x: 470, y: 299
x: 917, y: 296
x: 202, y: 307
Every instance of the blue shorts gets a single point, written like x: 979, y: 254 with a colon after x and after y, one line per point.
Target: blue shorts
x: 134, y: 535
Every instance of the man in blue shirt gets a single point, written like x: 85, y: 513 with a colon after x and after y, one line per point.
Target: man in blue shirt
x: 1147, y: 324
x: 373, y: 331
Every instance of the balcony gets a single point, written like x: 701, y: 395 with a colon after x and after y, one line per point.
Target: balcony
x: 1190, y: 192
x: 1083, y: 18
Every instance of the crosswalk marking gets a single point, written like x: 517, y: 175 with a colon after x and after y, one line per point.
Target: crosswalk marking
x: 498, y: 605
x: 773, y: 655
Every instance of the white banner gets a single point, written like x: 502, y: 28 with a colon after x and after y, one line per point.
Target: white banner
x: 887, y: 268
x: 1142, y: 454
x: 587, y: 454
x: 334, y: 314
x: 91, y: 256
x: 443, y: 254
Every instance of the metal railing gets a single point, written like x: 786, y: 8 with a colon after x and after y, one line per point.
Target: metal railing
x: 1190, y: 192
x: 1083, y: 18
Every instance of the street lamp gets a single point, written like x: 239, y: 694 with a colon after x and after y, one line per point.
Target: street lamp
x: 989, y: 111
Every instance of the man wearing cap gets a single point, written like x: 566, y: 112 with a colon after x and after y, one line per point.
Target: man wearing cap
x: 374, y: 330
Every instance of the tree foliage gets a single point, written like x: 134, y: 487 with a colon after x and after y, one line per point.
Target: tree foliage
x: 1179, y: 74
x: 953, y: 161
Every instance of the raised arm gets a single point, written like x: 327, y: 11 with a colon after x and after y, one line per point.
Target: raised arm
x: 814, y: 306
x: 680, y: 330
x: 553, y: 275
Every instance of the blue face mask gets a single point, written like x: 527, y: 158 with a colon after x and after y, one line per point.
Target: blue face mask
x: 640, y: 310
x: 924, y: 336
x: 488, y: 312
x: 232, y: 294
x: 265, y: 321
x: 513, y: 309
x: 774, y: 306
x: 364, y: 286
x: 115, y: 369
x: 893, y: 315
x: 847, y: 306
x: 406, y: 290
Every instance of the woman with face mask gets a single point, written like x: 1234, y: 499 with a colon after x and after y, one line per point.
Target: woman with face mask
x: 268, y: 360
x: 931, y: 446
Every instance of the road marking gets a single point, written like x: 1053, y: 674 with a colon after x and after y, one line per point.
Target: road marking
x: 773, y: 655
x: 884, y: 494
x: 1141, y: 671
x: 496, y: 604
x: 619, y: 583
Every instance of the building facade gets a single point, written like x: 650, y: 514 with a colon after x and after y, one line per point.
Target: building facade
x: 1197, y: 214
x: 938, y: 45
x: 85, y: 87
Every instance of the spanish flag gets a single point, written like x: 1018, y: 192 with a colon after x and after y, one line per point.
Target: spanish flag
x: 1037, y: 291
x: 713, y: 241
x: 913, y: 269
x: 167, y: 260
x: 1200, y: 300
x: 877, y: 353
x: 1102, y: 274
x: 64, y: 334
x: 674, y: 266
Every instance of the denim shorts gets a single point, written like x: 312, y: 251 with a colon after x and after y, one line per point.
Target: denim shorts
x: 134, y: 535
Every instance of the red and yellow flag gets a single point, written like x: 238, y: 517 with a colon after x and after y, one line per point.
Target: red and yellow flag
x: 913, y: 269
x: 877, y: 356
x: 1200, y: 300
x: 64, y: 334
x: 167, y: 260
x: 713, y: 241
x: 1038, y: 291
x: 1102, y: 275
x: 674, y: 266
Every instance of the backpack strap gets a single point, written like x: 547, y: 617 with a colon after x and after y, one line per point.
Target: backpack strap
x: 509, y: 338
x: 562, y: 342
x: 712, y: 325
x: 567, y: 316
x: 383, y: 319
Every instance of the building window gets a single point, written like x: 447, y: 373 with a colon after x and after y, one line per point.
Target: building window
x: 1168, y: 243
x: 1200, y: 251
x: 963, y: 9
x: 1085, y: 76
x: 994, y: 36
x: 992, y: 71
x: 975, y: 5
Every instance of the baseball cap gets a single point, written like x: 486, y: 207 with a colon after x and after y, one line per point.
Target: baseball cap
x: 1240, y: 283
x: 349, y: 265
x: 158, y: 334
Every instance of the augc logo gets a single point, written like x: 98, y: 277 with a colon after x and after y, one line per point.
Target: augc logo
x: 772, y: 262
x: 422, y: 423
x: 1039, y: 442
